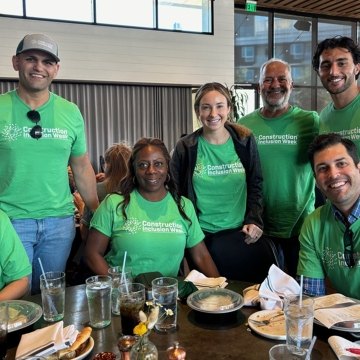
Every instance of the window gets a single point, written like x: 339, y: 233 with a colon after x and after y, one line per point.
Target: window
x: 332, y: 28
x: 59, y: 10
x: 180, y: 15
x: 137, y: 13
x: 11, y: 7
x: 251, y: 45
x: 291, y: 44
x: 250, y: 76
x: 297, y: 51
x: 248, y: 54
x: 297, y: 73
x: 185, y: 15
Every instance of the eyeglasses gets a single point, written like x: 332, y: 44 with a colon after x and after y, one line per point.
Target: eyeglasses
x: 349, y: 248
x: 36, y: 131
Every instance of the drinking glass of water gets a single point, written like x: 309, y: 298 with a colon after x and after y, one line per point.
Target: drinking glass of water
x: 299, y: 318
x: 98, y: 293
x: 52, y: 285
x: 165, y: 293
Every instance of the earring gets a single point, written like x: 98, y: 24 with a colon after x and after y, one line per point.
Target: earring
x: 134, y: 180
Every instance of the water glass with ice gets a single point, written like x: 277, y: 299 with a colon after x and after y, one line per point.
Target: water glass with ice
x: 118, y: 278
x: 165, y: 293
x: 98, y: 293
x: 52, y: 285
x: 299, y: 318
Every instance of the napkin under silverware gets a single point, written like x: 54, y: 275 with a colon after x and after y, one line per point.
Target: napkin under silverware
x: 46, y: 341
x: 203, y: 282
x: 251, y: 295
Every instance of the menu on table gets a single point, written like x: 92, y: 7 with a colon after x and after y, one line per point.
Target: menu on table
x: 336, y: 308
x: 344, y: 349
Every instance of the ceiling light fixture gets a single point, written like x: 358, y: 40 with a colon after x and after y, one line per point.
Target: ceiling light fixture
x: 302, y: 25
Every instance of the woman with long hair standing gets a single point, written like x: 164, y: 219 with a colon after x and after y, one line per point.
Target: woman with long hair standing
x: 217, y: 167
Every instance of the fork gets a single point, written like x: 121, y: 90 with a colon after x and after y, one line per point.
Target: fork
x: 267, y: 321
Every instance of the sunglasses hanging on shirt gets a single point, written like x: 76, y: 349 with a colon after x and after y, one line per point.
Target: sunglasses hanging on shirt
x: 36, y: 131
x: 349, y: 248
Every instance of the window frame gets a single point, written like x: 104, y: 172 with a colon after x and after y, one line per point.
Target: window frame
x: 207, y: 16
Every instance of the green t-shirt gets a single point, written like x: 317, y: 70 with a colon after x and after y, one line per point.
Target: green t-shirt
x: 288, y: 185
x: 14, y: 262
x: 322, y: 251
x: 220, y: 186
x: 33, y: 173
x: 155, y: 234
x: 345, y: 121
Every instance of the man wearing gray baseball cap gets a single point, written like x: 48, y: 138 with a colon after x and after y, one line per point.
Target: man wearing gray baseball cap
x: 38, y: 42
x: 40, y: 134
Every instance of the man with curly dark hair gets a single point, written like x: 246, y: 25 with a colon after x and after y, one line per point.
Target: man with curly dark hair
x: 337, y: 63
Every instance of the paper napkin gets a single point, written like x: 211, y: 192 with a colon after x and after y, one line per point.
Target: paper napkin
x: 344, y: 349
x: 251, y: 295
x: 47, y: 340
x: 203, y: 282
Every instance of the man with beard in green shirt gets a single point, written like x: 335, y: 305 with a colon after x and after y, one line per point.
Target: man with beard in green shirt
x: 283, y: 133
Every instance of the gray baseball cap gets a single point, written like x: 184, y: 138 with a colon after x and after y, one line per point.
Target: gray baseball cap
x: 38, y: 42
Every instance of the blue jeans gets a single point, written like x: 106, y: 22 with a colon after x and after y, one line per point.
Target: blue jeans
x: 49, y: 239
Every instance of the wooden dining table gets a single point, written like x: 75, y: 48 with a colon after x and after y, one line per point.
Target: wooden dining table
x: 204, y: 336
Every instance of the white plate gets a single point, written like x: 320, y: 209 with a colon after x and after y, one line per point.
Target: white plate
x: 22, y: 314
x: 87, y: 350
x: 275, y: 330
x: 215, y: 301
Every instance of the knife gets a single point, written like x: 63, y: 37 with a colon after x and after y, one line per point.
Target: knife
x: 349, y: 324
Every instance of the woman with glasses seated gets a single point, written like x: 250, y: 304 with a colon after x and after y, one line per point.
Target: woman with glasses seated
x: 14, y: 263
x: 147, y: 219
